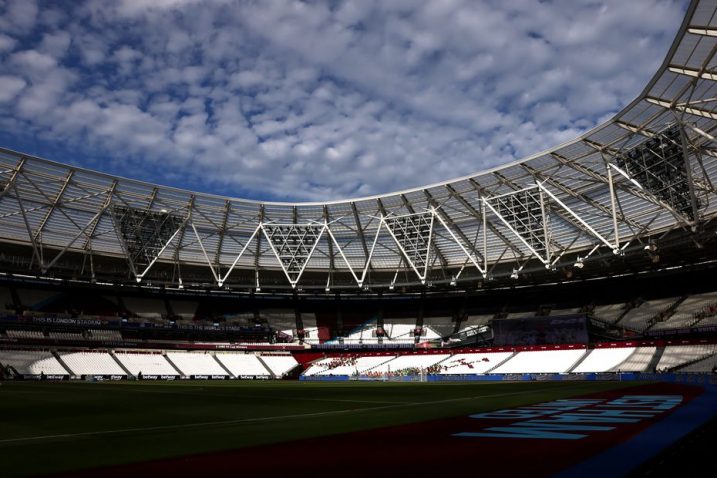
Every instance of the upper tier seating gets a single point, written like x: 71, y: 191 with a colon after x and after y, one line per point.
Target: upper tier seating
x: 473, y: 322
x: 196, y: 363
x: 520, y: 315
x: 91, y: 363
x: 684, y: 314
x: 676, y: 355
x: 99, y: 334
x: 242, y: 364
x: 32, y: 362
x: 365, y: 333
x: 543, y: 361
x: 429, y: 333
x: 147, y: 363
x: 638, y: 361
x: 608, y: 312
x: 570, y: 311
x: 399, y: 331
x: 66, y: 336
x: 603, y: 360
x: 311, y: 330
x: 442, y: 326
x: 25, y: 334
x: 638, y: 318
x: 707, y: 321
x: 281, y: 320
x: 472, y: 363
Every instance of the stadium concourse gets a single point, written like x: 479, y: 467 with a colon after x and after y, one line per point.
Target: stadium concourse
x: 553, y: 316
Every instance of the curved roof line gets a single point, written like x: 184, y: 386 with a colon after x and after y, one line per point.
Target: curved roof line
x: 635, y: 101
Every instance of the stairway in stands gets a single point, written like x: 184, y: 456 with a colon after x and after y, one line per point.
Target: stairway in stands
x: 62, y: 362
x: 229, y: 372
x: 126, y: 370
x: 692, y: 362
x: 580, y: 360
x: 490, y: 370
x: 271, y: 372
x: 392, y: 357
x: 666, y: 314
x: 652, y: 366
x: 166, y: 357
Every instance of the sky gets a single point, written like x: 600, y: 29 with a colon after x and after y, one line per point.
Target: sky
x: 317, y: 100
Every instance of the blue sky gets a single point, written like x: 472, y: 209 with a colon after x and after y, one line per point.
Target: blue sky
x: 291, y: 100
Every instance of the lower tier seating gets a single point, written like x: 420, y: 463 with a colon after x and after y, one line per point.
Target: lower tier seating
x: 638, y: 361
x: 676, y: 355
x: 360, y: 365
x: 603, y: 360
x: 146, y: 363
x: 543, y: 361
x: 471, y: 363
x: 409, y: 362
x: 32, y: 362
x: 706, y: 365
x: 196, y: 363
x: 242, y: 364
x: 91, y: 363
x: 280, y: 365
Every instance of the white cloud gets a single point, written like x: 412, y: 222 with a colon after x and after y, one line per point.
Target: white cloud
x: 6, y: 43
x: 19, y: 16
x: 320, y: 100
x: 10, y: 86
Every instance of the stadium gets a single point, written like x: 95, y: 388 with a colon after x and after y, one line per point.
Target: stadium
x: 560, y: 309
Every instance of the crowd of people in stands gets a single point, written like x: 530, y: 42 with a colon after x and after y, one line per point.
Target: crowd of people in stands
x: 404, y: 372
x: 707, y: 311
x: 347, y: 361
x: 416, y: 371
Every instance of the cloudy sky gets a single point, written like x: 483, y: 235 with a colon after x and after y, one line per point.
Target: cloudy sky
x: 311, y: 100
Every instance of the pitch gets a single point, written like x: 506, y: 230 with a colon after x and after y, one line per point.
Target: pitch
x: 67, y: 427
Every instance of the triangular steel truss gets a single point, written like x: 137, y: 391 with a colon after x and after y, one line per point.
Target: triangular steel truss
x: 413, y: 234
x: 523, y: 213
x: 661, y: 167
x: 293, y: 245
x: 144, y: 234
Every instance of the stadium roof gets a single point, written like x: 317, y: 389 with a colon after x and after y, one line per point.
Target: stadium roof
x: 648, y: 171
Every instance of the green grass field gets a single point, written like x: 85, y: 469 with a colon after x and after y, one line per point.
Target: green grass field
x: 50, y: 427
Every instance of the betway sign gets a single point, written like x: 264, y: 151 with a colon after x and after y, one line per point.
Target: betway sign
x: 573, y: 419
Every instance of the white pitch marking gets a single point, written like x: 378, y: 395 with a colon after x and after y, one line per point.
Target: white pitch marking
x: 253, y: 420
